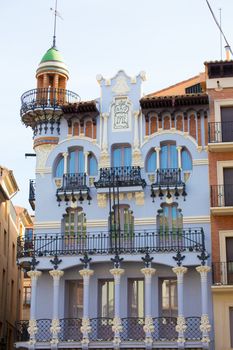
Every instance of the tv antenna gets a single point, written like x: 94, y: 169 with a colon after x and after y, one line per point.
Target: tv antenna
x: 56, y: 14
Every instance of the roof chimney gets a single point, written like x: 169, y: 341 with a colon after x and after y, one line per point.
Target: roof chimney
x: 228, y: 52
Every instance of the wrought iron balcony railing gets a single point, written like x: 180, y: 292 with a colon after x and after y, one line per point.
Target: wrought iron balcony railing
x: 32, y: 193
x: 43, y: 98
x: 220, y: 132
x: 123, y: 176
x: 222, y: 273
x: 168, y: 182
x: 221, y: 195
x: 168, y: 177
x: 101, y: 330
x: 73, y: 184
x: 190, y: 239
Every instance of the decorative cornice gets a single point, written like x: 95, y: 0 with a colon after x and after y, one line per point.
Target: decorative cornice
x: 46, y: 140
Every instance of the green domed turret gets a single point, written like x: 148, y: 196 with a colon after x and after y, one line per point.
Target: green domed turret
x: 52, y: 62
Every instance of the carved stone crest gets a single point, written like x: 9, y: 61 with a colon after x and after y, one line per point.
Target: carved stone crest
x: 121, y: 114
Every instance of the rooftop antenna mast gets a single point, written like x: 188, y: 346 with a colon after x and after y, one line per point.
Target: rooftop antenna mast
x: 55, y: 24
x: 220, y: 33
x: 219, y: 27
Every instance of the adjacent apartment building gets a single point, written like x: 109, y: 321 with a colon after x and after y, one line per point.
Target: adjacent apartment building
x: 219, y: 84
x: 10, y: 274
x: 120, y: 251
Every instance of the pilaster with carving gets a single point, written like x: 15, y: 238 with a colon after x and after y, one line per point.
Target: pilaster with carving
x: 55, y: 324
x: 117, y: 326
x: 205, y: 326
x: 181, y: 325
x: 148, y: 328
x: 86, y: 273
x: 32, y: 329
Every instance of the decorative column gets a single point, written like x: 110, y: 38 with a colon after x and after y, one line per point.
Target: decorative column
x: 181, y: 326
x: 55, y: 325
x: 205, y: 326
x: 86, y: 273
x: 149, y: 327
x: 157, y: 150
x: 179, y: 148
x: 117, y: 327
x: 136, y: 137
x: 86, y: 154
x: 65, y: 156
x: 105, y: 132
x: 32, y: 329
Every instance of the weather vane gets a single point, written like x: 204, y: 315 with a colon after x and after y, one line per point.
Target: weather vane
x: 56, y: 14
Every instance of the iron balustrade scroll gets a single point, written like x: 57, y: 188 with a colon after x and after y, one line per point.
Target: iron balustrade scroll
x: 220, y: 132
x: 221, y: 195
x: 168, y: 177
x: 32, y: 190
x: 103, y: 243
x: 123, y: 176
x: 222, y: 273
x: 21, y: 331
x: 47, y: 98
x: 70, y: 330
x: 132, y: 329
x: 164, y: 329
x: 73, y: 182
x: 101, y: 329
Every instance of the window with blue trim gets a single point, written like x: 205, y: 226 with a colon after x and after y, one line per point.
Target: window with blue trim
x: 60, y: 168
x: 186, y: 160
x: 168, y: 156
x: 76, y: 161
x: 92, y: 165
x: 121, y: 156
x: 151, y: 162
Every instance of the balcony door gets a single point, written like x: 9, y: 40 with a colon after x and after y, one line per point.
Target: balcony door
x: 121, y: 156
x: 106, y: 309
x: 168, y: 156
x: 227, y: 124
x: 136, y: 300
x: 229, y: 256
x: 76, y: 161
x: 228, y: 186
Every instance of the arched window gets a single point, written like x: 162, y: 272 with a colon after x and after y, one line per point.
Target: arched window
x: 60, y: 168
x: 151, y: 162
x: 92, y: 165
x: 168, y: 156
x: 122, y: 219
x: 186, y: 161
x: 76, y: 161
x: 74, y: 222
x: 170, y: 218
x: 121, y: 155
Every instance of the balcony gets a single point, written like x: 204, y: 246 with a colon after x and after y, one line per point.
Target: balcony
x: 32, y: 192
x: 101, y: 330
x: 74, y: 186
x: 42, y: 99
x: 190, y: 240
x: 221, y: 199
x: 222, y: 273
x: 123, y: 176
x: 168, y: 182
x: 221, y: 137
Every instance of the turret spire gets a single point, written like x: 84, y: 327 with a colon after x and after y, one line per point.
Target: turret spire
x: 56, y: 14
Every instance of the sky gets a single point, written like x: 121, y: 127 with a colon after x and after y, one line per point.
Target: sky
x: 168, y: 39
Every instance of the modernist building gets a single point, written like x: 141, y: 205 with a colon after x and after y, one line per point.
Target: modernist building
x: 119, y: 256
x: 10, y: 274
x: 220, y: 90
